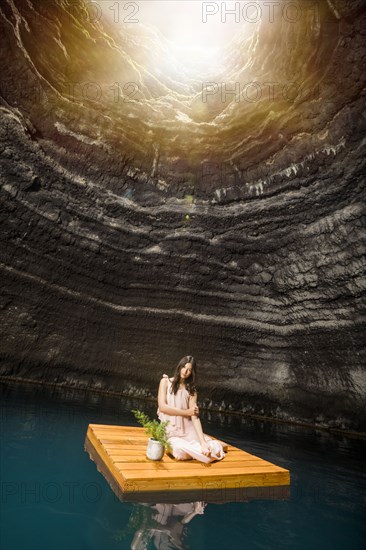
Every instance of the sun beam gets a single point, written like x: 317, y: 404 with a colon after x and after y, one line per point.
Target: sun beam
x: 196, y: 33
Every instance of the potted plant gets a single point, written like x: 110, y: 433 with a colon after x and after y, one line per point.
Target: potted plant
x: 158, y: 440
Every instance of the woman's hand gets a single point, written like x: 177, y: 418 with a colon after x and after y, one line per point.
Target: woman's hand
x: 192, y: 411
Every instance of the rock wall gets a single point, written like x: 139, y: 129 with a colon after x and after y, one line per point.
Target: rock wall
x: 150, y: 214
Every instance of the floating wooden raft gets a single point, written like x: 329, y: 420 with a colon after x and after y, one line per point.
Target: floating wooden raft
x: 120, y: 455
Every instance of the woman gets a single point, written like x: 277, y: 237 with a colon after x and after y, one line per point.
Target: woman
x: 177, y: 402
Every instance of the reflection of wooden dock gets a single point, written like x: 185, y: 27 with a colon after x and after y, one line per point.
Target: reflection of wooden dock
x: 120, y: 455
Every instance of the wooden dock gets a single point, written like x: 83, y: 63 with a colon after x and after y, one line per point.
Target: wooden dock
x: 120, y: 455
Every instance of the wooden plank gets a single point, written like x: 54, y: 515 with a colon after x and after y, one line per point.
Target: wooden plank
x: 204, y: 469
x: 121, y: 441
x: 195, y: 482
x: 124, y: 437
x: 141, y: 448
x: 129, y: 454
x: 136, y: 448
x: 111, y: 442
x: 106, y: 427
x: 144, y: 474
x: 130, y: 458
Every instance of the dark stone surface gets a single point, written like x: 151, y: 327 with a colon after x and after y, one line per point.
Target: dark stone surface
x: 135, y: 233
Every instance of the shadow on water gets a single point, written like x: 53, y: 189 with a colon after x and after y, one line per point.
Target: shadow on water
x: 53, y: 496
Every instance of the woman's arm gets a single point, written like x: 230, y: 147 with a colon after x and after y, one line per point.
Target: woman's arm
x: 173, y: 411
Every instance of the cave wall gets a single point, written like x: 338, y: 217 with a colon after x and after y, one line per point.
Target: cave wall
x: 130, y: 238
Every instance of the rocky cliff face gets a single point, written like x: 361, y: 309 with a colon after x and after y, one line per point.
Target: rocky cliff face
x: 148, y: 213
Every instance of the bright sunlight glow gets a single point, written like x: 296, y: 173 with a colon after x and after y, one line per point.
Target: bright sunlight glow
x: 195, y: 43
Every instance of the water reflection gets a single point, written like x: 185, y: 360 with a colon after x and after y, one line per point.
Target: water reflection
x: 163, y: 526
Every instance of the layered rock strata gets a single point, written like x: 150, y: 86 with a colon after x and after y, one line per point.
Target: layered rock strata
x: 150, y: 214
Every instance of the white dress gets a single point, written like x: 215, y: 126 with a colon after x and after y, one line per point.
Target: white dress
x: 181, y: 432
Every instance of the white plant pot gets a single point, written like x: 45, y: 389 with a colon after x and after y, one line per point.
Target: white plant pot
x: 155, y: 450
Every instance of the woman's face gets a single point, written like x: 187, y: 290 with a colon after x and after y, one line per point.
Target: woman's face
x: 186, y: 371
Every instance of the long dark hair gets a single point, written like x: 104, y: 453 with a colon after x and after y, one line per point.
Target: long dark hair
x: 189, y: 382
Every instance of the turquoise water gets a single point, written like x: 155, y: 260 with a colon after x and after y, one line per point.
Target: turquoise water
x: 53, y: 497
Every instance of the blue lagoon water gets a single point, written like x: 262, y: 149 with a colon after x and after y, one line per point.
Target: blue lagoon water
x: 54, y: 498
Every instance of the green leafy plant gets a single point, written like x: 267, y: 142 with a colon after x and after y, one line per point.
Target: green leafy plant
x: 155, y: 429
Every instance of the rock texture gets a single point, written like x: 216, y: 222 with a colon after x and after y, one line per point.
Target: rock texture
x: 148, y: 213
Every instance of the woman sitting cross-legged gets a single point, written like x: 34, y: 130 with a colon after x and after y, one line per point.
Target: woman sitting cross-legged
x: 177, y: 402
